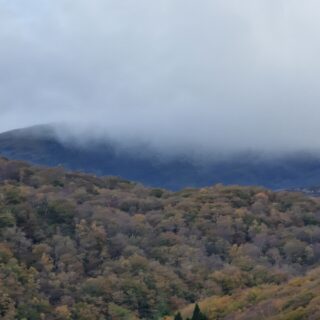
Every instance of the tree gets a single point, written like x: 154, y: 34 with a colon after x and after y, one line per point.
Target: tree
x: 7, y: 220
x: 197, y: 314
x: 178, y: 316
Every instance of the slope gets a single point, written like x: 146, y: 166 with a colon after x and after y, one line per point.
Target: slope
x: 297, y: 299
x: 75, y: 246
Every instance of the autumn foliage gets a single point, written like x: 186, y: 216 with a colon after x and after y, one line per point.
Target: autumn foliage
x: 74, y: 246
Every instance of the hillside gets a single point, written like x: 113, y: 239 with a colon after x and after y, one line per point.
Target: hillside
x: 75, y: 246
x: 40, y: 145
x: 298, y: 299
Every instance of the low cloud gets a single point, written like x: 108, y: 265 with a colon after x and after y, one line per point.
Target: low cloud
x: 211, y: 75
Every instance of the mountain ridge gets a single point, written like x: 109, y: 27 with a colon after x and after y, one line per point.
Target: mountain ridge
x: 42, y: 145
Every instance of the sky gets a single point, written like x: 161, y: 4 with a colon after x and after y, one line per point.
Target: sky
x: 225, y: 75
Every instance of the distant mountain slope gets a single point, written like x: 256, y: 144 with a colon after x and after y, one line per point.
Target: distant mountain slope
x: 40, y: 145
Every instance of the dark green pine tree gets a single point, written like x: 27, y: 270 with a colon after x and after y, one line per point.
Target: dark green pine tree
x: 197, y: 314
x: 178, y: 316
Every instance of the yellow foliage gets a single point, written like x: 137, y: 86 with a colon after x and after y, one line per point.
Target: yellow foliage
x: 63, y: 312
x: 5, y: 252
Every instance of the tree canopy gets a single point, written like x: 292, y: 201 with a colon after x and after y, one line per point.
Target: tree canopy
x: 74, y: 246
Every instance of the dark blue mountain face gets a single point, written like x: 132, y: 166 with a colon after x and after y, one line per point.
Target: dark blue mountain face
x: 40, y: 146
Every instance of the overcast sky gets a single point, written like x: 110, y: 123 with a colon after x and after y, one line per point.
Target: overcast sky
x: 216, y: 74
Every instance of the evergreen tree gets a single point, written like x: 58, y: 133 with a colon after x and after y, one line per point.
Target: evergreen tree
x: 178, y: 316
x: 197, y: 314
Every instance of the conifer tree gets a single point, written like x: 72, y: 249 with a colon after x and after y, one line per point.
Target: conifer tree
x: 197, y: 314
x: 178, y: 316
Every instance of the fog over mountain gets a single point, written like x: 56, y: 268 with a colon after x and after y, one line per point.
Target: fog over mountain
x: 208, y: 76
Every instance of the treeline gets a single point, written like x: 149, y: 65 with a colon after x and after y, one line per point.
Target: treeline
x: 74, y: 246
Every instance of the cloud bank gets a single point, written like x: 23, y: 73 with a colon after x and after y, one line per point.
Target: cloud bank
x: 209, y: 75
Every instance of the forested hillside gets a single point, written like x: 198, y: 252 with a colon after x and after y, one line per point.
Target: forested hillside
x: 75, y: 246
x: 298, y: 299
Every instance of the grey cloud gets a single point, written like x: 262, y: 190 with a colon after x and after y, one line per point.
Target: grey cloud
x: 210, y: 75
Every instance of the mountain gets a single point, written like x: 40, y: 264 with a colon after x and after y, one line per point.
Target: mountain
x: 76, y: 246
x: 41, y: 145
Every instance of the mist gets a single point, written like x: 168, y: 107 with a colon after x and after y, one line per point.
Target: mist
x: 178, y: 75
